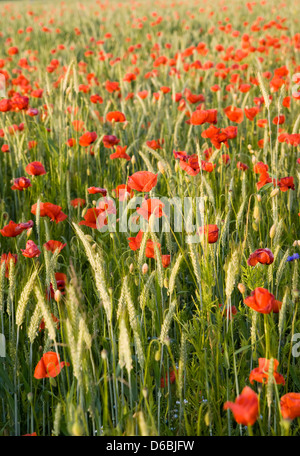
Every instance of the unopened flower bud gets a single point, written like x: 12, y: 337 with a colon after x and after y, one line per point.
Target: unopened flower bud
x: 241, y: 288
x: 57, y: 296
x: 157, y: 355
x: 29, y: 232
x: 133, y: 160
x: 161, y: 167
x: 84, y: 212
x: 256, y: 212
x: 274, y: 192
x: 145, y: 268
x: 258, y: 198
x: 104, y: 354
x: 131, y: 267
x: 77, y: 429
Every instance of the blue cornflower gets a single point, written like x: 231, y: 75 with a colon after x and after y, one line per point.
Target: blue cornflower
x: 296, y: 256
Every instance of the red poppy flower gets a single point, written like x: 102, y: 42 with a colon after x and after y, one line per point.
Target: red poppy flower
x: 115, y: 116
x: 151, y: 206
x: 14, y: 229
x: 293, y: 140
x: 78, y: 202
x: 21, y: 183
x: 251, y: 113
x: 285, y: 183
x: 172, y: 378
x: 31, y: 250
x: 78, y: 125
x: 6, y: 258
x: 95, y: 190
x: 242, y: 166
x: 96, y: 217
x: 55, y: 320
x: 110, y: 141
x: 190, y: 165
x: 34, y: 434
x: 49, y: 366
x: 211, y: 231
x: 35, y: 169
x: 120, y: 153
x: 290, y: 406
x: 5, y: 148
x: 263, y: 301
x: 142, y: 181
x: 261, y: 373
x: 96, y: 99
x: 263, y: 180
x: 263, y: 256
x: 166, y: 260
x: 123, y: 192
x: 234, y: 114
x: 135, y: 242
x: 71, y: 142
x: 50, y: 210
x: 143, y: 94
x: 150, y: 248
x: 52, y: 246
x: 112, y: 86
x: 278, y: 120
x: 216, y: 136
x: 200, y: 117
x: 207, y: 166
x: 32, y: 144
x: 155, y: 144
x: 245, y: 407
x: 88, y: 138
x: 260, y: 168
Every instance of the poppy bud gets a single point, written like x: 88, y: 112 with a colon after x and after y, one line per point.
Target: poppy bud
x: 77, y: 429
x: 256, y: 213
x: 30, y: 397
x: 254, y: 160
x: 57, y: 296
x: 145, y: 268
x: 133, y: 160
x: 157, y: 355
x: 241, y: 288
x: 274, y: 192
x: 258, y: 198
x: 131, y: 267
x: 104, y: 354
x: 29, y: 232
x: 249, y: 146
x: 84, y: 212
x: 94, y: 203
x: 161, y: 167
x: 176, y: 167
x: 166, y: 283
x: 89, y: 238
x: 145, y: 392
x: 272, y: 231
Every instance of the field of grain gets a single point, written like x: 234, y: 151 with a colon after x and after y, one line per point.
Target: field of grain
x: 149, y: 218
